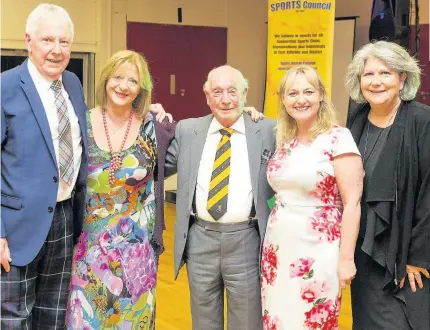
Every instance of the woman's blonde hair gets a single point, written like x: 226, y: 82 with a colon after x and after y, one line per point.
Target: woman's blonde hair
x: 286, y: 127
x: 143, y: 99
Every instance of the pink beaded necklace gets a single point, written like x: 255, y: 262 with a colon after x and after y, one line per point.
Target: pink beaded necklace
x: 115, y: 160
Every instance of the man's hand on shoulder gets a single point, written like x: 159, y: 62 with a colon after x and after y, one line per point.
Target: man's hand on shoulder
x: 5, y: 255
x: 254, y: 113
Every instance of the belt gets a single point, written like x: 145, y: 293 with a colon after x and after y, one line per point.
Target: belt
x: 225, y: 227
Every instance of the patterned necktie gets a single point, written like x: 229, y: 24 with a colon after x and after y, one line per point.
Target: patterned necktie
x: 218, y: 188
x: 65, y: 135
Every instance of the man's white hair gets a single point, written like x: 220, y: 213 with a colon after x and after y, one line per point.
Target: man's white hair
x: 47, y: 11
x: 243, y: 82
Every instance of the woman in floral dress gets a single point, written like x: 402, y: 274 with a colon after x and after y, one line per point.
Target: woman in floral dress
x: 308, y: 252
x: 115, y: 261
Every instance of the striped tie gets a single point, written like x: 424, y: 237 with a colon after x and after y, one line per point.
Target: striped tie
x: 65, y: 135
x: 218, y: 188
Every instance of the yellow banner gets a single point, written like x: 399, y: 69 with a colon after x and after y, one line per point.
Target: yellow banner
x: 299, y: 32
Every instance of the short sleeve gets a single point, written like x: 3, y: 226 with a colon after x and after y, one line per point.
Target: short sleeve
x: 343, y: 142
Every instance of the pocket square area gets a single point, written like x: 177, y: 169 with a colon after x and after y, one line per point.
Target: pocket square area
x: 266, y: 156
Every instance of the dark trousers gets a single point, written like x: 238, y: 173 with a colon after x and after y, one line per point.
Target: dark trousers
x: 35, y: 296
x: 377, y: 308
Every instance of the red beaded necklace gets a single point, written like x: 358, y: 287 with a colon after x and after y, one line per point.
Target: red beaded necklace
x: 115, y: 160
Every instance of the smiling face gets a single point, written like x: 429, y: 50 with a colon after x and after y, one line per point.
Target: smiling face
x: 49, y: 47
x: 226, y: 96
x: 379, y: 84
x: 302, y: 101
x: 122, y: 87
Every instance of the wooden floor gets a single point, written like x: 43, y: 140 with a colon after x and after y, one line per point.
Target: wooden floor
x: 173, y: 308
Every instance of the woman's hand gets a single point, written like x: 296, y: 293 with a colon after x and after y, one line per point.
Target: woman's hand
x: 158, y: 109
x: 414, y: 274
x: 348, y: 170
x: 346, y: 271
x: 254, y: 113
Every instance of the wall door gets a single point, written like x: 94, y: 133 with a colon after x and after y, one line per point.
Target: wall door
x: 179, y: 58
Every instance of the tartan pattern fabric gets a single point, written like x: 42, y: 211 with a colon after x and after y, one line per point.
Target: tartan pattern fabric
x: 218, y: 187
x: 35, y: 296
x: 65, y: 135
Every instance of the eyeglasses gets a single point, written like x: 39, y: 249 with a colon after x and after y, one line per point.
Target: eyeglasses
x: 131, y: 82
x: 218, y: 93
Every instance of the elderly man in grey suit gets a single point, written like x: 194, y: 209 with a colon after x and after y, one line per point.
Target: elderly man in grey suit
x: 221, y: 204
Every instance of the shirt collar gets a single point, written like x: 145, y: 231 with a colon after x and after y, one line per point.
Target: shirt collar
x: 38, y: 78
x: 238, y: 126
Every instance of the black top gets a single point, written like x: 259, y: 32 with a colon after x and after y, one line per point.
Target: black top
x: 371, y: 144
x: 398, y: 193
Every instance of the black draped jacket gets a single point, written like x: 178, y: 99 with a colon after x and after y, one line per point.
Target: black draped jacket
x: 398, y: 233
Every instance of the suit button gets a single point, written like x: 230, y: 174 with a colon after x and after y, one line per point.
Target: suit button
x: 50, y: 209
x: 185, y: 235
x: 55, y: 179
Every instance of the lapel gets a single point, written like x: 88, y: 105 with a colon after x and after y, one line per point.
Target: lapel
x: 254, y: 143
x: 382, y: 187
x: 75, y: 95
x: 36, y: 105
x: 200, y: 131
x: 358, y: 122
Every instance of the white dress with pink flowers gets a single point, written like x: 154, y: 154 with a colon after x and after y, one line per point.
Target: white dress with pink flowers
x: 299, y: 280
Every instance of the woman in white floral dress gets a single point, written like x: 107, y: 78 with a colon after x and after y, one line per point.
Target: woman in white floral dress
x: 316, y: 173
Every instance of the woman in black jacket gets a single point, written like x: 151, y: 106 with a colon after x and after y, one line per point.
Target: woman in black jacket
x: 392, y: 288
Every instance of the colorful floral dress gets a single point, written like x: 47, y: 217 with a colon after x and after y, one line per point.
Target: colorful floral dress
x: 114, y: 266
x: 299, y: 279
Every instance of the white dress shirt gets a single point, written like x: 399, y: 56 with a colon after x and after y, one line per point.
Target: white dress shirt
x: 240, y: 196
x: 47, y: 96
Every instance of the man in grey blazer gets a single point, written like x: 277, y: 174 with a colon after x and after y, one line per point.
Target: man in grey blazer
x: 221, y: 204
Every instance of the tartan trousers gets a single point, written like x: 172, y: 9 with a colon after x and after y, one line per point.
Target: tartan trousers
x: 35, y: 296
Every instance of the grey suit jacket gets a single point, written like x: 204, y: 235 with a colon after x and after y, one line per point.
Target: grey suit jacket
x: 183, y: 157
